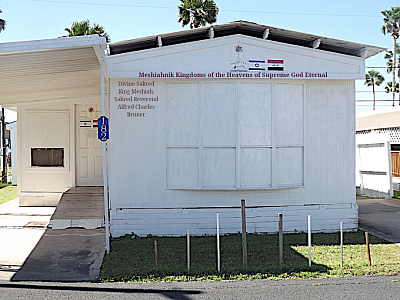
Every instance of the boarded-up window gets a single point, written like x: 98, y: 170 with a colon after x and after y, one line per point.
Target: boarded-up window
x: 226, y: 135
x: 47, y: 157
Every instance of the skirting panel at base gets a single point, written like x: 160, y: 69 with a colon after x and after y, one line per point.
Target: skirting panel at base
x: 200, y: 221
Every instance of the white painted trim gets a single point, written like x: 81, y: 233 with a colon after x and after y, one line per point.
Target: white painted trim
x: 72, y: 145
x: 363, y: 53
x: 63, y: 99
x: 132, y: 74
x: 56, y: 43
x: 19, y: 146
x: 104, y: 146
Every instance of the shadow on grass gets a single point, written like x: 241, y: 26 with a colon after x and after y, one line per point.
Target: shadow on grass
x: 134, y: 257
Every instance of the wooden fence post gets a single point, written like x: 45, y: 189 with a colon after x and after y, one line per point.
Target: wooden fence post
x: 368, y: 252
x: 155, y: 253
x: 188, y: 250
x: 280, y: 220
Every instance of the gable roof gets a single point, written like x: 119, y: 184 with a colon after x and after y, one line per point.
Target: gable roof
x: 249, y: 29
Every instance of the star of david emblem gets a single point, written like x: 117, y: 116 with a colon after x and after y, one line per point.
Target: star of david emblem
x: 238, y: 48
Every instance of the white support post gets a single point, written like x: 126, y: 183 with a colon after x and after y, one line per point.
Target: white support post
x: 103, y: 113
x: 341, y: 243
x: 309, y: 240
x: 218, y: 247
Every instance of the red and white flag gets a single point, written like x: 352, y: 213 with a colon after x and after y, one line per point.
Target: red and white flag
x: 275, y: 65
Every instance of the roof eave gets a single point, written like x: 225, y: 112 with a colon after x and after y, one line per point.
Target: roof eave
x: 56, y: 43
x: 248, y: 28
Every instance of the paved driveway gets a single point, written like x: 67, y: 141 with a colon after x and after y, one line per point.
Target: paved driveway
x: 380, y: 217
x: 20, y: 230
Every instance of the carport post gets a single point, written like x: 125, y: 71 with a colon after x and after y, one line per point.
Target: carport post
x: 103, y: 113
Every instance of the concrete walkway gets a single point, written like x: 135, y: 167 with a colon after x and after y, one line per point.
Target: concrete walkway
x: 20, y: 230
x: 68, y: 251
x: 380, y: 217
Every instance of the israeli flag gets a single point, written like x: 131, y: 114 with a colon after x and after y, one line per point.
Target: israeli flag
x: 256, y: 65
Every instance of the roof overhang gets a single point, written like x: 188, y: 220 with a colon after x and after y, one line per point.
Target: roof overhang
x: 250, y: 29
x: 50, y: 69
x: 378, y: 119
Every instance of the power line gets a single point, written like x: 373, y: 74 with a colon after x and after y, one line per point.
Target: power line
x: 225, y: 10
x: 375, y: 100
x: 382, y: 67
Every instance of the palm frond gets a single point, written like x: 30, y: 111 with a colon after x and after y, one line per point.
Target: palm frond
x: 197, y: 13
x: 2, y: 23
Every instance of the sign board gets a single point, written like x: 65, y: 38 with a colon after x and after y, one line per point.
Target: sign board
x: 102, y: 129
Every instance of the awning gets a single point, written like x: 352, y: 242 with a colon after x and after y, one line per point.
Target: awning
x: 44, y: 70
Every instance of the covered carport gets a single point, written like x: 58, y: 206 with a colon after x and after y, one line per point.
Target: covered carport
x: 44, y: 80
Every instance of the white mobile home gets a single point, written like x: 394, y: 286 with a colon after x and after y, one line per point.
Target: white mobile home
x: 199, y: 119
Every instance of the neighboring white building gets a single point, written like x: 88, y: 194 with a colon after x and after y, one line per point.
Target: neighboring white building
x: 378, y: 152
x: 199, y: 119
x: 13, y: 145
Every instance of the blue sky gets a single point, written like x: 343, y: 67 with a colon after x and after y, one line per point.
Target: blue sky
x: 126, y: 19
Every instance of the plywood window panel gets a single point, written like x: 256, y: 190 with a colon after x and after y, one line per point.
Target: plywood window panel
x: 219, y: 167
x: 219, y: 114
x: 289, y: 115
x: 234, y: 135
x: 289, y: 166
x: 255, y: 167
x: 47, y: 157
x: 182, y: 115
x: 182, y: 167
x: 255, y: 114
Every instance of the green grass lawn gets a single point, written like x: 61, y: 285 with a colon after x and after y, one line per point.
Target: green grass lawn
x: 7, y: 192
x: 133, y: 259
x: 359, y: 197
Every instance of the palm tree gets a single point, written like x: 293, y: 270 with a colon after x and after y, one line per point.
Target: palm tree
x: 373, y: 78
x: 389, y: 88
x: 392, y: 25
x: 389, y: 63
x: 2, y: 23
x: 83, y: 28
x: 197, y: 13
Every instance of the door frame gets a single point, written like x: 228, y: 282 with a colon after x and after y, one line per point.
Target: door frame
x: 73, y: 136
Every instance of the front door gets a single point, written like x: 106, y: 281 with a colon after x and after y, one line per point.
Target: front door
x: 89, y: 157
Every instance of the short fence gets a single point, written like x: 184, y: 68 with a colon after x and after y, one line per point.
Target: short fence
x: 240, y: 252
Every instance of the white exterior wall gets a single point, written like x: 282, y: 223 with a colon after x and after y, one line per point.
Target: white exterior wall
x: 143, y: 200
x: 46, y: 125
x: 374, y: 164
